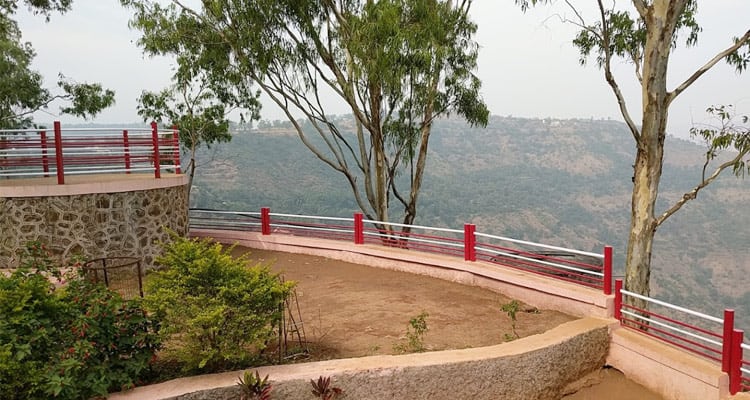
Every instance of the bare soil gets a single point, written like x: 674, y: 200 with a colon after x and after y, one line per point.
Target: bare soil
x: 350, y: 310
x: 610, y: 384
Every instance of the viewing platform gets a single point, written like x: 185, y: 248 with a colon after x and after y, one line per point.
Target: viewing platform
x: 98, y: 192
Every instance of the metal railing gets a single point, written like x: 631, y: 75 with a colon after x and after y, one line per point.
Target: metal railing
x: 579, y: 267
x: 414, y: 237
x: 706, y: 336
x: 35, y: 153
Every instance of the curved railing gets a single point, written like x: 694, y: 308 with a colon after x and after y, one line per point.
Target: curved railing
x: 583, y: 268
x: 37, y: 153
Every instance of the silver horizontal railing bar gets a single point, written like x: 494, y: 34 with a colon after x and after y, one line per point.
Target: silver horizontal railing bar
x: 313, y: 228
x: 544, y: 246
x: 414, y: 239
x: 672, y: 328
x: 536, y: 261
x: 312, y: 217
x: 431, y: 228
x: 225, y: 212
x: 672, y: 306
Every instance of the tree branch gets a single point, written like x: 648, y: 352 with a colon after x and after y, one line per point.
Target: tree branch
x: 702, y: 70
x: 691, y: 195
x: 611, y: 79
x: 640, y: 5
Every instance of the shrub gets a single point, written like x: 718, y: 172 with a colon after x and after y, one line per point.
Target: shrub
x: 30, y: 329
x: 217, y: 312
x: 77, y: 342
x: 109, y: 343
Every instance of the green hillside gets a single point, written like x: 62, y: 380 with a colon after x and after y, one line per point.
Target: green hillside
x: 563, y: 182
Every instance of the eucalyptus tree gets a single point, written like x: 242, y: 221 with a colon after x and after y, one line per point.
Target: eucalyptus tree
x: 22, y: 90
x: 397, y: 65
x: 644, y: 33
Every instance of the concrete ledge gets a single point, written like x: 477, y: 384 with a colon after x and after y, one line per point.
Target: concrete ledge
x: 536, y: 367
x: 88, y: 184
x: 668, y: 371
x: 530, y: 288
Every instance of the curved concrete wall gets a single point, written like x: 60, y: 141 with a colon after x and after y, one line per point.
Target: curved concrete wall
x: 95, y: 220
x: 536, y: 367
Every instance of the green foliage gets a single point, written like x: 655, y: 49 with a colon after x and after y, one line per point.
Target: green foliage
x: 414, y: 335
x: 323, y: 389
x: 511, y: 309
x: 21, y: 90
x: 217, y: 312
x: 110, y: 343
x: 80, y: 341
x: 727, y: 135
x: 398, y: 65
x: 253, y: 387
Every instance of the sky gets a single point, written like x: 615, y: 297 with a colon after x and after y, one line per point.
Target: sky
x: 527, y: 64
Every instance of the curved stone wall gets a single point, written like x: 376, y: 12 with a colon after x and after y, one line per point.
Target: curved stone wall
x: 129, y: 223
x: 537, y: 367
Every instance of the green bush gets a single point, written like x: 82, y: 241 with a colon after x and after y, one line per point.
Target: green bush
x: 217, y: 313
x: 77, y: 342
x: 110, y: 343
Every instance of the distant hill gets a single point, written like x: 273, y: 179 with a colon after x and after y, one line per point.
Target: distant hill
x: 563, y: 182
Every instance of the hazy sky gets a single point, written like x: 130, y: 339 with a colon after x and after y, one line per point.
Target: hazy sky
x: 527, y: 63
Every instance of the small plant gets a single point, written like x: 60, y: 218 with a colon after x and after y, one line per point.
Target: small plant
x: 322, y: 389
x: 511, y: 309
x: 253, y: 387
x: 414, y: 335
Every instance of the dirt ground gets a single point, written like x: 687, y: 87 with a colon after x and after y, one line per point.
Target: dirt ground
x: 610, y: 384
x: 350, y: 310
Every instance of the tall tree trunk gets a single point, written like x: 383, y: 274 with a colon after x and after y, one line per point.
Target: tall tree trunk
x: 650, y: 150
x: 191, y: 173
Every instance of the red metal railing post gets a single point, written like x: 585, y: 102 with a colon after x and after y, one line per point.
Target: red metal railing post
x: 359, y: 228
x: 726, y: 345
x: 59, y: 154
x: 607, y: 270
x: 126, y: 148
x: 45, y: 159
x: 176, y: 153
x: 470, y: 241
x: 735, y: 372
x: 155, y: 142
x: 618, y: 300
x: 265, y: 221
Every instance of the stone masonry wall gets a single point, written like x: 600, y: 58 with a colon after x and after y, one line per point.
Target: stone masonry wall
x: 95, y: 225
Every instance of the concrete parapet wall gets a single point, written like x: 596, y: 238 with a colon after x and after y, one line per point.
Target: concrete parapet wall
x: 530, y: 288
x: 127, y: 222
x: 536, y: 367
x: 666, y: 370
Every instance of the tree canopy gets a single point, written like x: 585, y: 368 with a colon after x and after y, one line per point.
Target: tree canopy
x: 396, y: 64
x: 22, y: 90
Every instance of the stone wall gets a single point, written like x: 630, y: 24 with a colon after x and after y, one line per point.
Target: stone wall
x: 538, y: 367
x: 95, y: 225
